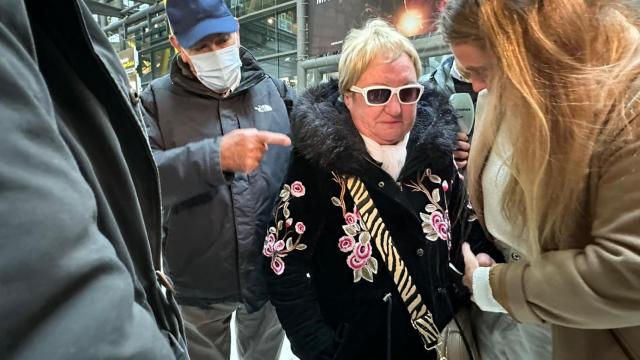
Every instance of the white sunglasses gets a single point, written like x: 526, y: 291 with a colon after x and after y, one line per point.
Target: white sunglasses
x: 378, y: 95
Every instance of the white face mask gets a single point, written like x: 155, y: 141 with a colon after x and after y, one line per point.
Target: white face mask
x: 218, y: 70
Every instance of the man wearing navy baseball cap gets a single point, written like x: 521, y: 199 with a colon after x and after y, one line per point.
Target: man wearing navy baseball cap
x: 210, y: 123
x: 207, y: 35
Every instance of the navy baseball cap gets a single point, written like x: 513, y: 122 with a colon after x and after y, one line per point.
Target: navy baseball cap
x: 193, y: 20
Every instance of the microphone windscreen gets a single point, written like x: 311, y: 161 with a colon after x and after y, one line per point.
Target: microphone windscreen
x: 463, y: 107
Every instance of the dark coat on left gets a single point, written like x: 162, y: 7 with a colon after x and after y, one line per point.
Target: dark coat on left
x: 329, y: 296
x: 79, y: 197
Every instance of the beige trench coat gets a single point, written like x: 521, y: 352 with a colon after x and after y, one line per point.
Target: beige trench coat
x: 588, y: 286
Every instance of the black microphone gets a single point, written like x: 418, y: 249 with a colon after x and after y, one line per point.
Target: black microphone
x: 464, y: 109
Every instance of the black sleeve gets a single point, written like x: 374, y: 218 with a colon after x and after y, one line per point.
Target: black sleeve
x: 65, y: 293
x: 185, y: 171
x: 288, y: 255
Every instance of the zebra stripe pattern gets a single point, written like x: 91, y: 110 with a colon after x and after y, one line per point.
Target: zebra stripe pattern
x: 421, y: 318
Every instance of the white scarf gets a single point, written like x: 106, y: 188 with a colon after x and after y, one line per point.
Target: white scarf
x: 392, y: 157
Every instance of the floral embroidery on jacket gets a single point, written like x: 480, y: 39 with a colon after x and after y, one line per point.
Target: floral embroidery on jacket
x: 359, y: 260
x: 279, y: 240
x: 435, y: 219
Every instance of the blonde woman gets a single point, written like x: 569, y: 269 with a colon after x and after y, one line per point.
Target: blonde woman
x: 555, y: 165
x: 353, y: 279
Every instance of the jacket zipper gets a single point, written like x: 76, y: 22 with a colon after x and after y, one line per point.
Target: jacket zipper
x: 389, y: 300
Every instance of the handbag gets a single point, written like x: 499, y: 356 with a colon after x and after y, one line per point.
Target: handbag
x: 459, y: 344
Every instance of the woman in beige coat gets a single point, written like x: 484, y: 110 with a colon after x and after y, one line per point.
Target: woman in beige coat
x: 561, y: 133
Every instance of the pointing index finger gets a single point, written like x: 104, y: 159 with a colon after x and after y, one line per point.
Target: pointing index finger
x: 274, y: 138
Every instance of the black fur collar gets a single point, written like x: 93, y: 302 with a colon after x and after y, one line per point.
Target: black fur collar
x: 325, y: 135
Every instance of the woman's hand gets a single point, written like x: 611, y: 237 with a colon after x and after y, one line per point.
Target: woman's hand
x: 472, y: 262
x: 461, y: 155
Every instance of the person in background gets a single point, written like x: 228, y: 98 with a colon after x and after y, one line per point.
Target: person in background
x: 357, y: 279
x: 214, y: 122
x: 80, y: 224
x: 554, y: 172
x: 450, y: 79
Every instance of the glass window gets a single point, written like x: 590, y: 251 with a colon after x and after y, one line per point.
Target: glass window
x: 270, y: 34
x: 288, y: 67
x: 162, y: 61
x: 259, y: 36
x: 158, y: 32
x: 144, y: 67
x: 284, y: 67
x: 243, y: 7
x: 287, y: 31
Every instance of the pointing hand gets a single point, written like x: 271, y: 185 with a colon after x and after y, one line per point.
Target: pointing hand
x: 242, y: 150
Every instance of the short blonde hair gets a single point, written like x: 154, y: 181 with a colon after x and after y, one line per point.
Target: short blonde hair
x: 361, y: 46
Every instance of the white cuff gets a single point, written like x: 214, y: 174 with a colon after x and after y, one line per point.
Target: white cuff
x: 482, y: 294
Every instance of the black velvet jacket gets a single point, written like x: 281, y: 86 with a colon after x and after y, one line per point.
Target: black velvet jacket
x: 325, y: 280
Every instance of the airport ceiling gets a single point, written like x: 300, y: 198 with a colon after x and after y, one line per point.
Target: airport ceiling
x: 117, y: 8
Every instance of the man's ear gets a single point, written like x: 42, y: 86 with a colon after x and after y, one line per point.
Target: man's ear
x: 176, y: 44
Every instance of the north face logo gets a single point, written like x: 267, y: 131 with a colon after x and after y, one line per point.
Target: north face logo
x: 263, y: 108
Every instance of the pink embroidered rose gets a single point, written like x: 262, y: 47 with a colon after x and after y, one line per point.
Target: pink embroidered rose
x: 288, y: 223
x: 355, y: 262
x: 350, y: 218
x: 445, y: 186
x: 346, y: 243
x: 277, y: 265
x: 440, y: 225
x: 267, y: 250
x: 297, y: 189
x: 270, y: 238
x: 300, y: 228
x: 279, y: 245
x: 363, y: 251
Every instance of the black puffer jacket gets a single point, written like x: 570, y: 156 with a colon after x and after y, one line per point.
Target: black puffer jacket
x: 216, y: 220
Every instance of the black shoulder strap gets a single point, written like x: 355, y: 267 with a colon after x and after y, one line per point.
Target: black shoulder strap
x: 282, y: 90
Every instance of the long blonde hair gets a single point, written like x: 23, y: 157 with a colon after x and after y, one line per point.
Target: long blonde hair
x: 564, y: 71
